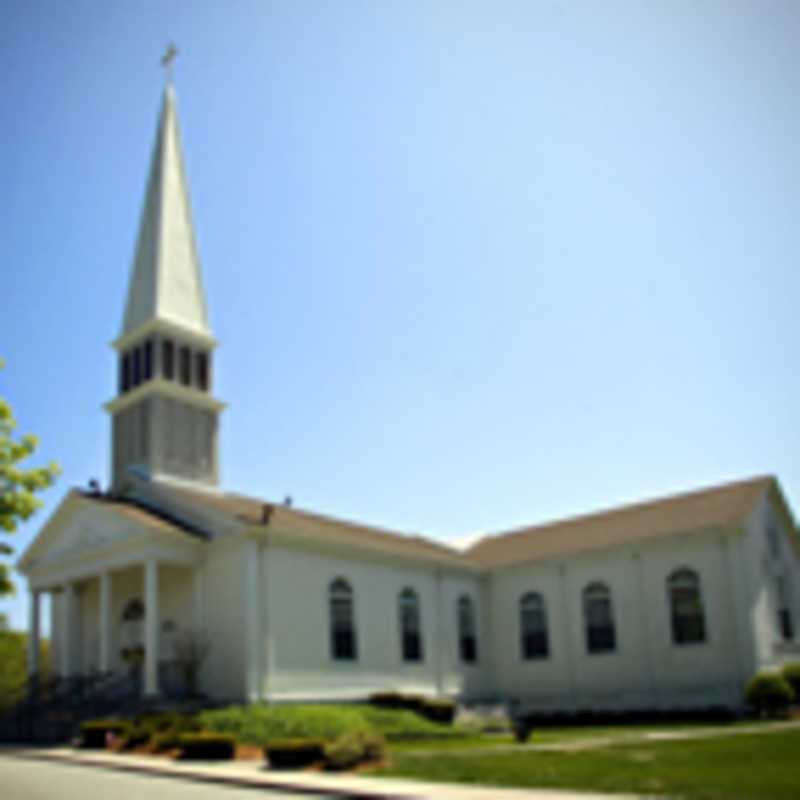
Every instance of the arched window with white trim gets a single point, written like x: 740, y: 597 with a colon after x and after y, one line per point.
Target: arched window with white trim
x: 343, y: 632
x: 468, y: 643
x: 598, y: 614
x: 410, y: 626
x: 533, y: 626
x: 686, y: 607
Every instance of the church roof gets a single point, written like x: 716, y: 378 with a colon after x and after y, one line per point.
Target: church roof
x: 700, y: 510
x: 150, y: 518
x: 709, y: 508
x: 321, y: 527
x: 166, y: 280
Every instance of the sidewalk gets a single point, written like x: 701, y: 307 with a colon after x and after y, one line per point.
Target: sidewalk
x: 633, y: 737
x: 253, y: 774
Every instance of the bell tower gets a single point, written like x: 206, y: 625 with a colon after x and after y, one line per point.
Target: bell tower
x: 164, y: 418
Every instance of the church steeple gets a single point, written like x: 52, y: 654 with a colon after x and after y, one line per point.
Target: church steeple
x: 164, y: 418
x: 166, y: 281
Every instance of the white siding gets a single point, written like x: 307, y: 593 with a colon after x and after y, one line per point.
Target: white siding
x: 223, y: 673
x: 646, y: 669
x: 297, y: 649
x: 770, y: 649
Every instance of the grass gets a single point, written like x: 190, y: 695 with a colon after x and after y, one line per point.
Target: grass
x: 260, y: 723
x: 566, y: 734
x: 751, y: 766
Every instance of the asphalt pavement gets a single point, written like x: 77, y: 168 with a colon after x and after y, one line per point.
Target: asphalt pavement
x: 24, y: 779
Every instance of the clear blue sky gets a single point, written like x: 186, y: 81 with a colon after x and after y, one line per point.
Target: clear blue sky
x: 473, y: 265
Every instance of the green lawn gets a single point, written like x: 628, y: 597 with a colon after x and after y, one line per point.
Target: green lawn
x: 748, y: 766
x: 257, y: 724
x: 566, y: 734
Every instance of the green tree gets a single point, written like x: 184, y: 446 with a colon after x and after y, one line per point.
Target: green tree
x: 17, y: 486
x: 14, y: 666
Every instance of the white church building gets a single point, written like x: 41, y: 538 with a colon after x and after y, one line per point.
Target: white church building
x: 672, y: 603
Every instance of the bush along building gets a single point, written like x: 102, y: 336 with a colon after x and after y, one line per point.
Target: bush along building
x: 177, y: 584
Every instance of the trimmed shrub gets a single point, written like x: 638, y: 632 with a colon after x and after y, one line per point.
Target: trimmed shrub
x: 374, y: 745
x: 136, y: 735
x: 432, y: 708
x: 353, y: 748
x: 386, y: 699
x: 769, y: 693
x: 167, y: 740
x: 442, y: 711
x: 207, y: 745
x: 93, y: 732
x: 167, y: 729
x: 345, y: 752
x: 413, y: 702
x: 791, y: 673
x: 294, y: 753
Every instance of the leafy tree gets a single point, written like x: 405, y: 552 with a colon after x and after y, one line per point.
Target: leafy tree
x: 17, y: 486
x: 14, y: 666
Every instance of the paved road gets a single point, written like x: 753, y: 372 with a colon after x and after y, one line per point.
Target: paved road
x: 23, y: 779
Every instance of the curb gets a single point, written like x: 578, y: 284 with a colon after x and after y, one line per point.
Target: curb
x: 256, y: 782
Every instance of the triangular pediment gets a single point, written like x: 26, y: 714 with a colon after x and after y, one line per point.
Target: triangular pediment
x: 85, y: 525
x: 78, y: 527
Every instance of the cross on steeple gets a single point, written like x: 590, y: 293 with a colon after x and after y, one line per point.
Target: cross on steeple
x: 167, y: 59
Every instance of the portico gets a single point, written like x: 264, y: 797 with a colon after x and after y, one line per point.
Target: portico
x: 118, y: 602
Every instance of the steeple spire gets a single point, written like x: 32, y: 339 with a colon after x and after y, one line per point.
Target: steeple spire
x: 166, y: 282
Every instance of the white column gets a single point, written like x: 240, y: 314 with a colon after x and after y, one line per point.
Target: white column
x: 151, y: 617
x: 105, y: 622
x: 68, y: 639
x: 253, y: 602
x: 198, y: 601
x: 439, y: 635
x: 269, y: 641
x: 33, y: 635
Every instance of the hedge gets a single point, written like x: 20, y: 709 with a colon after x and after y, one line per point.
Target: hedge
x: 207, y: 745
x: 166, y: 740
x: 136, y: 735
x: 258, y: 724
x: 769, y: 693
x: 353, y: 748
x: 443, y: 711
x: 93, y: 732
x: 432, y: 708
x: 294, y: 753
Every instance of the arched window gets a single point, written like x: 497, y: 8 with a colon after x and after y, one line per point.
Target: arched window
x: 468, y: 644
x: 686, y: 607
x: 410, y: 628
x: 600, y: 634
x: 533, y: 626
x: 343, y: 633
